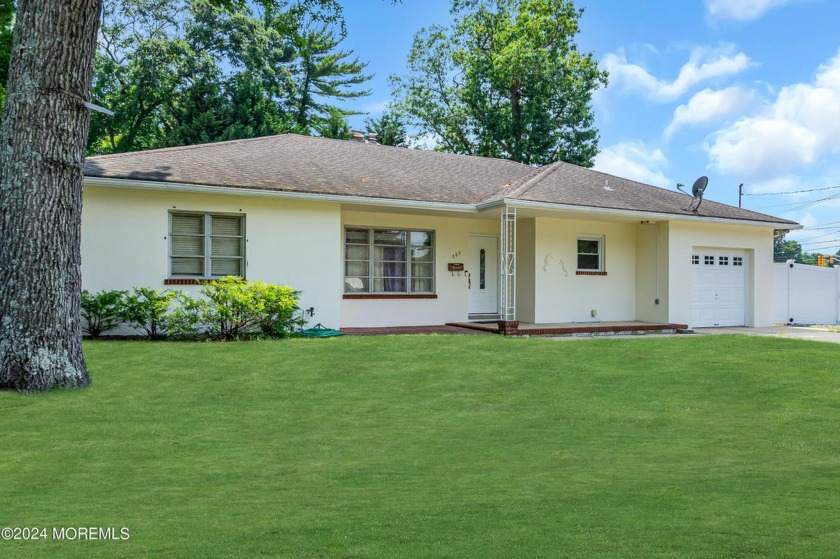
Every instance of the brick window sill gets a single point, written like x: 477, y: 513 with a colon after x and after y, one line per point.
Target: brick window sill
x: 582, y: 273
x: 183, y: 281
x: 390, y: 296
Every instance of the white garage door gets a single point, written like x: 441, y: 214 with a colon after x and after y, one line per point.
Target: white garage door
x: 718, y: 286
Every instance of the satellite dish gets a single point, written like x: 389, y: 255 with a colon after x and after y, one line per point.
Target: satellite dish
x: 699, y: 187
x: 697, y: 191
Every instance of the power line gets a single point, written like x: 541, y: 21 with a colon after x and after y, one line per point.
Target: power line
x: 789, y: 192
x: 833, y: 242
x: 800, y: 205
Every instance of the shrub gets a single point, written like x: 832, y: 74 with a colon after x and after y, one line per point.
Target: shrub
x: 150, y: 310
x: 102, y: 311
x: 232, y: 307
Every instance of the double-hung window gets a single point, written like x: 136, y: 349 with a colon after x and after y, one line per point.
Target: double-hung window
x: 590, y: 253
x: 388, y: 261
x: 206, y: 245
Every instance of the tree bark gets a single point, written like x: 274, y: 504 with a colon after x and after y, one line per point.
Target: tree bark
x: 42, y: 145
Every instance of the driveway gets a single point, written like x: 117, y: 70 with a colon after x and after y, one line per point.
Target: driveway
x: 814, y: 333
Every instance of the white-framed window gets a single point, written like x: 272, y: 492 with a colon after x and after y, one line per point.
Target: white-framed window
x: 590, y: 253
x: 383, y: 260
x: 695, y: 259
x: 206, y: 245
x: 737, y: 260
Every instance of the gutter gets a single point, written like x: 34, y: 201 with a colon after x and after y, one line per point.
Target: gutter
x: 301, y: 196
x: 529, y: 204
x: 415, y: 204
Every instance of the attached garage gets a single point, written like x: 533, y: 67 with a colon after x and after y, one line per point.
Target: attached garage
x: 718, y: 288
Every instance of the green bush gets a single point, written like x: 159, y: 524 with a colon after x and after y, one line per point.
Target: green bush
x: 151, y: 310
x: 102, y: 311
x: 232, y: 307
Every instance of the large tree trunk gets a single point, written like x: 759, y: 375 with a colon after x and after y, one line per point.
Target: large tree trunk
x: 42, y: 146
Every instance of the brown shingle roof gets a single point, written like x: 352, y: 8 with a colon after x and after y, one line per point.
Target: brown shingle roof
x: 307, y: 164
x: 568, y: 184
x: 293, y: 163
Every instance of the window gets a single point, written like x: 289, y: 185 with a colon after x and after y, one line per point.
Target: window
x: 737, y: 260
x: 695, y: 259
x: 203, y: 245
x: 709, y: 260
x: 388, y: 261
x: 590, y: 253
x: 723, y: 260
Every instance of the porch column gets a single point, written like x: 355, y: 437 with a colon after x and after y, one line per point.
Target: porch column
x: 507, y: 264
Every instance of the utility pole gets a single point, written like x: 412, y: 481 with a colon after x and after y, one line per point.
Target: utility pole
x: 740, y: 193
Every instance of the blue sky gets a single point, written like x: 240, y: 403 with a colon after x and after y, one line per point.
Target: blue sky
x: 743, y: 91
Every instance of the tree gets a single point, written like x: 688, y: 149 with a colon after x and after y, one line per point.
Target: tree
x: 188, y: 71
x: 389, y: 129
x: 7, y: 18
x: 43, y: 135
x: 42, y: 147
x: 320, y: 74
x: 784, y: 250
x: 335, y: 126
x: 140, y: 67
x: 505, y: 80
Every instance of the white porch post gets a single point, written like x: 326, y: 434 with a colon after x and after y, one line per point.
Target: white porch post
x: 507, y: 266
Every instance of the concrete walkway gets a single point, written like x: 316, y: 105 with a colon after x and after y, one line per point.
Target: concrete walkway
x: 813, y: 333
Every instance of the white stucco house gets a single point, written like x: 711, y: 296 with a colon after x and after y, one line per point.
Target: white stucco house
x: 382, y: 236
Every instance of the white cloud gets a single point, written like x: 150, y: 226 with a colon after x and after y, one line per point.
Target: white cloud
x: 742, y: 10
x: 633, y: 160
x: 704, y: 64
x: 798, y: 128
x: 710, y: 106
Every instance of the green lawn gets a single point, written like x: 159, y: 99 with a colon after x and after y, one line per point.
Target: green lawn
x: 434, y: 446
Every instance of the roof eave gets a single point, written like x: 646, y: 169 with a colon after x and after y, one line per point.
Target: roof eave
x: 530, y: 204
x: 301, y: 196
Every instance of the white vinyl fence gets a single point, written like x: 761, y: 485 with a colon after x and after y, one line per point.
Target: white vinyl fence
x: 806, y: 294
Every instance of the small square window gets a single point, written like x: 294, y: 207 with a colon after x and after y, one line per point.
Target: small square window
x: 590, y: 253
x: 709, y: 260
x: 695, y: 259
x: 737, y: 261
x: 723, y: 260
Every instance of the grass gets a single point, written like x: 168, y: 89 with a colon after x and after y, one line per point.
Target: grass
x: 434, y: 446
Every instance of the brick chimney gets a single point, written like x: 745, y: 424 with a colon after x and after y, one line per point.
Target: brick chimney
x: 357, y: 136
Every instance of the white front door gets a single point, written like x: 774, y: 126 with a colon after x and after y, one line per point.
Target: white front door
x: 483, y: 278
x: 718, y: 288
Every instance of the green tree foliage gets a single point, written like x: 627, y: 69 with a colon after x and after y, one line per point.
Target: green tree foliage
x: 321, y: 74
x: 505, y: 80
x: 7, y: 20
x: 142, y: 64
x: 389, y: 129
x: 784, y: 250
x: 194, y: 71
x: 335, y: 126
